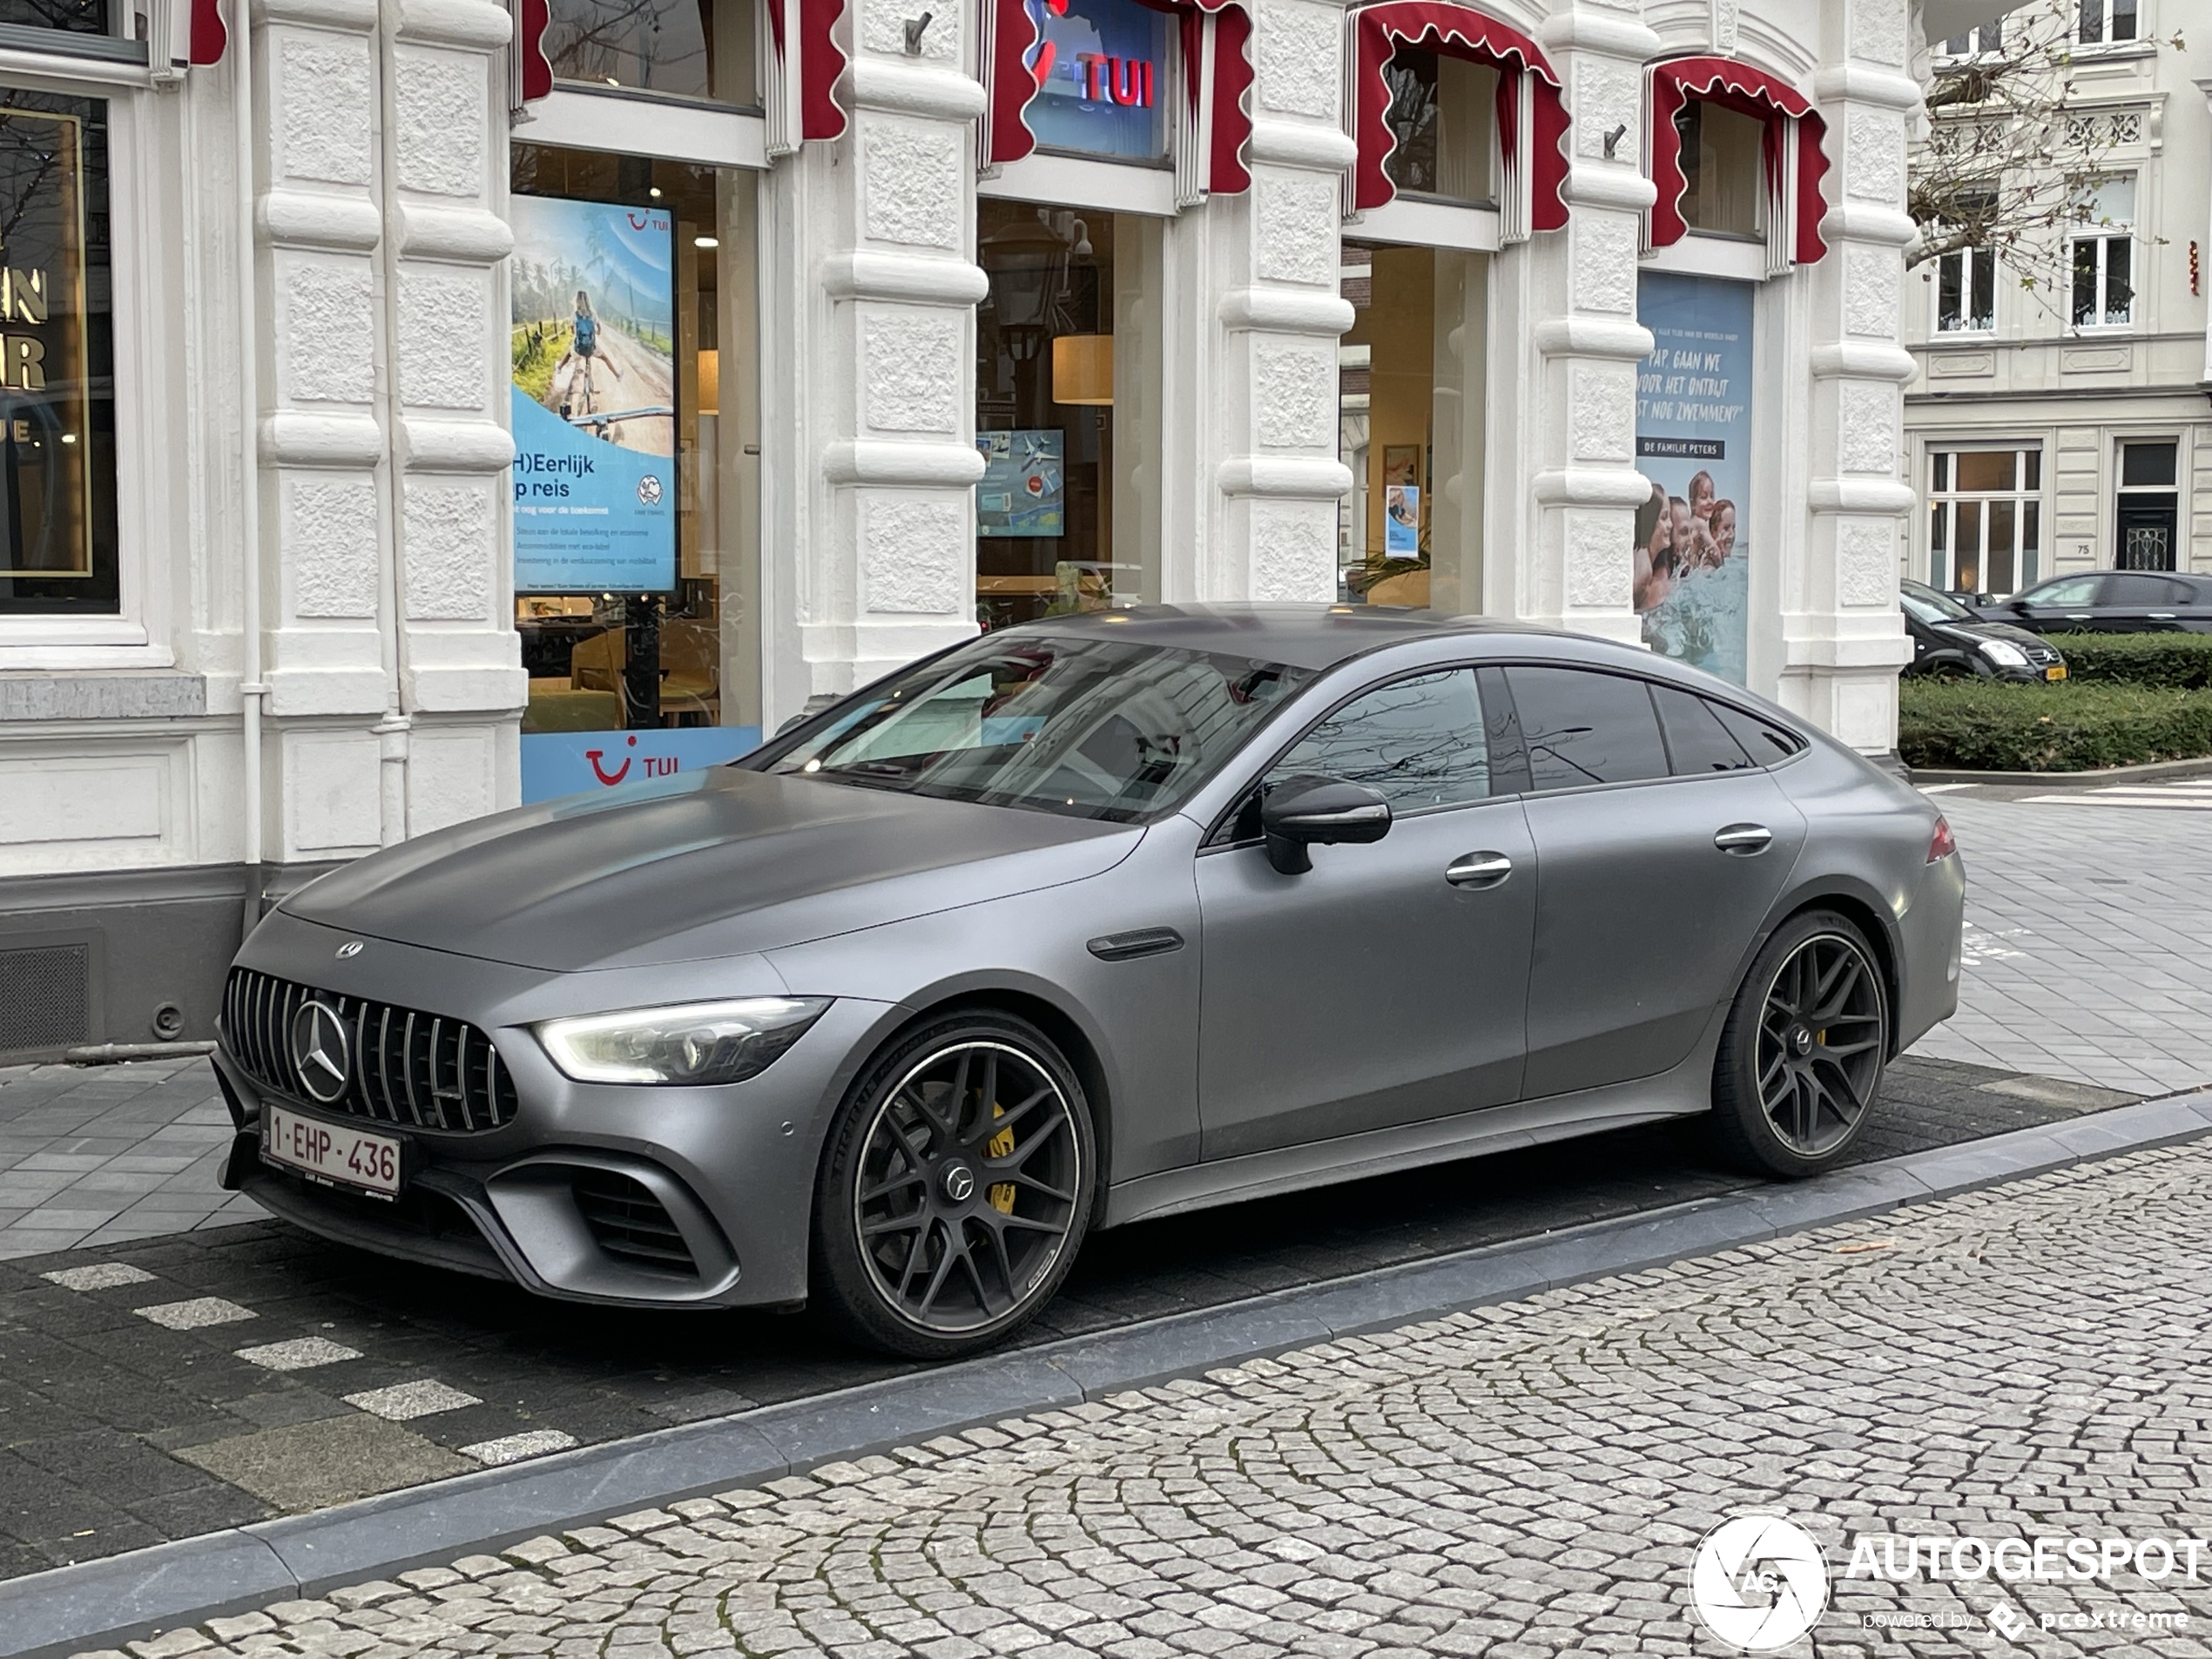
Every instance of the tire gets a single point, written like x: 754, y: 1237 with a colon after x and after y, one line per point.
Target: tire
x: 1802, y: 1054
x: 918, y: 1250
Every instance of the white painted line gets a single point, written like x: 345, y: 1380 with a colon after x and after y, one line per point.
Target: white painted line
x: 302, y: 1353
x: 2154, y: 805
x: 1940, y: 789
x: 513, y: 1448
x: 402, y: 1402
x: 197, y: 1314
x: 101, y: 1275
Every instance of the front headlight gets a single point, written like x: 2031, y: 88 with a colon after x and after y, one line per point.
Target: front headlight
x: 2004, y: 653
x: 693, y: 1042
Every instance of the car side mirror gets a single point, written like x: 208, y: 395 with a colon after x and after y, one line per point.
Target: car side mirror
x: 1300, y: 812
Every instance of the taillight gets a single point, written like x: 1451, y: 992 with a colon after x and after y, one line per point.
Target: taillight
x: 1941, y: 845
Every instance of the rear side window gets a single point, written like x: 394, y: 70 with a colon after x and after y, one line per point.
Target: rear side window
x: 2143, y: 590
x: 1583, y: 727
x: 1696, y: 740
x: 1764, y: 742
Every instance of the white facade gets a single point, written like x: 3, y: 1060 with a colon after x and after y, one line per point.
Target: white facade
x: 314, y: 652
x: 2069, y: 397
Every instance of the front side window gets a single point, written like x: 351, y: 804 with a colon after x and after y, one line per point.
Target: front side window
x: 58, y: 504
x: 2102, y: 21
x: 1583, y: 727
x: 1419, y: 742
x: 1087, y: 728
x: 2104, y: 255
x: 1985, y: 519
x: 2073, y: 590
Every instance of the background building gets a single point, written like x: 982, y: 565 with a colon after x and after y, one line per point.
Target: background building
x: 2065, y: 427
x: 482, y: 410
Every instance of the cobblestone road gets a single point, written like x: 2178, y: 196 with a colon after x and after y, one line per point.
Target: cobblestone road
x: 1527, y: 1479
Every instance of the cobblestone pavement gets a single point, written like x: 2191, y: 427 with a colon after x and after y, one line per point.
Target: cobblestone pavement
x: 1523, y: 1480
x: 2088, y: 942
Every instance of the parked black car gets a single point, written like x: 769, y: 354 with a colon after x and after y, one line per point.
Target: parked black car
x: 2109, y: 601
x: 1951, y: 641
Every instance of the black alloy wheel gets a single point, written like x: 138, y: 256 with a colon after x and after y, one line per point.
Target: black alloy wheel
x: 1801, y: 1056
x: 957, y: 1188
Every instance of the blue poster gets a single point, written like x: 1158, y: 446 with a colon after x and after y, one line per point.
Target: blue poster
x: 1101, y: 67
x: 1023, y: 491
x: 594, y: 397
x: 1694, y: 444
x: 1402, y: 520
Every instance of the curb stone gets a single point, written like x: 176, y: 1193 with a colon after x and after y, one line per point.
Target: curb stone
x: 123, y: 1597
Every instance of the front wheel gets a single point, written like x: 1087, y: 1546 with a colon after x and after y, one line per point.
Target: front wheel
x: 956, y: 1188
x: 1801, y: 1057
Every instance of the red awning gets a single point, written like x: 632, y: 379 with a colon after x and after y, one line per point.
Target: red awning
x: 819, y: 62
x: 209, y: 36
x: 1021, y: 58
x: 1460, y: 31
x: 531, y: 19
x: 1766, y: 98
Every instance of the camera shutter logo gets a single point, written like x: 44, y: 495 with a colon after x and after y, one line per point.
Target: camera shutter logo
x: 1758, y: 1582
x: 321, y: 1056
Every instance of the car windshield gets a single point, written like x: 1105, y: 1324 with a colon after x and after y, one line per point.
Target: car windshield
x: 1931, y: 607
x: 1091, y: 728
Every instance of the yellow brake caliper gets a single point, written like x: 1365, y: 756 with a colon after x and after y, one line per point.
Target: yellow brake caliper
x: 999, y: 1146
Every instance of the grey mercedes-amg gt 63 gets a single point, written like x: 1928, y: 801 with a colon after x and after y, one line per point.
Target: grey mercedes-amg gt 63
x: 1092, y: 920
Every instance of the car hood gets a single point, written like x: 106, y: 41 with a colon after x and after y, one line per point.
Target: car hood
x: 1986, y: 629
x: 704, y: 863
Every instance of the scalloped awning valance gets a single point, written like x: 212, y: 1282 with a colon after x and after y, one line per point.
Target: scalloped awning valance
x: 1795, y: 163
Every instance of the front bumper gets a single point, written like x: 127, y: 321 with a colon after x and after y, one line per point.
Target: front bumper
x: 635, y: 1195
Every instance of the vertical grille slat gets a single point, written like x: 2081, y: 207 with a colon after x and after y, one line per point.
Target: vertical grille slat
x: 257, y: 1011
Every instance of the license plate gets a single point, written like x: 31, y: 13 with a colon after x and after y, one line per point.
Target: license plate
x: 332, y: 1152
x: 2055, y: 671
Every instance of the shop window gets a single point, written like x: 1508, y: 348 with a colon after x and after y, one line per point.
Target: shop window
x: 1101, y: 69
x: 2149, y: 505
x: 636, y: 479
x: 1723, y: 190
x: 71, y: 17
x: 1410, y: 427
x: 701, y: 49
x: 1985, y: 527
x: 1442, y: 114
x: 2104, y: 264
x: 57, y: 491
x: 1067, y: 398
x: 2102, y: 20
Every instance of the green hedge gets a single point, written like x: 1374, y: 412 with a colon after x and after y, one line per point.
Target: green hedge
x: 1993, y: 725
x: 2180, y: 662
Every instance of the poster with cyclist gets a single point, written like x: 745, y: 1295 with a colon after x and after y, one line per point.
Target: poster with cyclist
x: 593, y: 352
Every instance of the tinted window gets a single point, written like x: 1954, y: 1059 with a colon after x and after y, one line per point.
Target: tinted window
x: 1090, y: 728
x: 2142, y: 591
x: 1697, y: 741
x: 1765, y: 743
x: 1419, y: 741
x: 1586, y: 728
x: 2071, y: 590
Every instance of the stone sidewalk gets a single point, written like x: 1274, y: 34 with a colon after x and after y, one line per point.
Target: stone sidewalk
x: 2088, y: 951
x: 1523, y: 1480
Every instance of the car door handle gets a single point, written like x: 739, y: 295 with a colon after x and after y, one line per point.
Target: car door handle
x: 2162, y: 616
x: 1478, y: 870
x: 2077, y: 615
x: 1744, y: 839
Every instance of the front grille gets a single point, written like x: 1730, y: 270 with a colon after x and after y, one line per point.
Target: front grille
x: 629, y: 1223
x: 424, y: 1070
x: 2040, y: 654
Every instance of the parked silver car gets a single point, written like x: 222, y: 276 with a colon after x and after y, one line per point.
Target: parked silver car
x: 1097, y: 918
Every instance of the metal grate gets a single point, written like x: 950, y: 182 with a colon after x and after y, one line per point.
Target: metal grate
x: 629, y: 1223
x: 45, y: 997
x: 404, y: 1066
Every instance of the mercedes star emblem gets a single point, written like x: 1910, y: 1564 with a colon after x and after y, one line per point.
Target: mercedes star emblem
x: 320, y: 1052
x: 350, y: 949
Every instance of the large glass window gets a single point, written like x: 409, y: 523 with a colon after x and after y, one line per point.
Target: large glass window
x: 1985, y: 519
x: 1066, y: 411
x: 636, y: 512
x: 1723, y: 169
x: 1443, y: 111
x: 674, y: 48
x: 1410, y: 408
x: 58, y: 508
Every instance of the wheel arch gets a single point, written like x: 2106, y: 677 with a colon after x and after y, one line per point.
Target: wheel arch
x: 1870, y: 916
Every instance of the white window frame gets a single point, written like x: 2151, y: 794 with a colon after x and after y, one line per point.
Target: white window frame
x: 2022, y: 495
x: 150, y: 423
x: 2101, y: 239
x: 1979, y: 38
x: 2104, y: 9
x: 1965, y: 260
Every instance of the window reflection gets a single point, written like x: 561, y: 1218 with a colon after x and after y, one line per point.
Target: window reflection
x: 675, y: 48
x: 1419, y: 742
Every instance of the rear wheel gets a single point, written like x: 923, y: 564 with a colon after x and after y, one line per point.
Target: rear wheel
x: 956, y: 1189
x: 1801, y: 1057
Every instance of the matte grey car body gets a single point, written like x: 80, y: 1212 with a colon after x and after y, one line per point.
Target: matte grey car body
x: 1234, y: 1031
